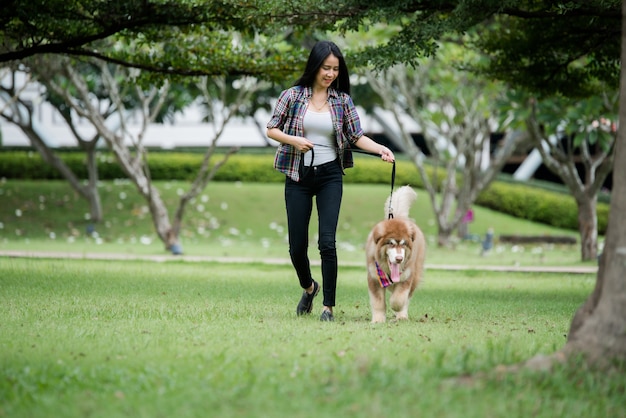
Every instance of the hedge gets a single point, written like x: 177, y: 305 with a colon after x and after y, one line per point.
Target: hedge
x: 517, y: 199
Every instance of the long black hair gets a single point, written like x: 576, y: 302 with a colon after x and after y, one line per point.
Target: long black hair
x: 320, y: 51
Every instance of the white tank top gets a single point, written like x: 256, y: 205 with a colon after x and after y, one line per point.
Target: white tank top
x: 318, y: 128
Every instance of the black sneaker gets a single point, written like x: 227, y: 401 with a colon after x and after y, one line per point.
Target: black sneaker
x: 306, y: 301
x: 327, y: 316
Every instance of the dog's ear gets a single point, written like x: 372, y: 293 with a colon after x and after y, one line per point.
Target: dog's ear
x: 377, y: 234
x: 413, y: 233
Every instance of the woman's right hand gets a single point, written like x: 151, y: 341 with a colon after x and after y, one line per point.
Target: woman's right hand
x: 302, y: 144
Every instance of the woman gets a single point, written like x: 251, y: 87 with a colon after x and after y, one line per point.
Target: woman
x: 315, y: 122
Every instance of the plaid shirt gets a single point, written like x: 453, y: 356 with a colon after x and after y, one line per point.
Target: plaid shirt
x: 289, y: 115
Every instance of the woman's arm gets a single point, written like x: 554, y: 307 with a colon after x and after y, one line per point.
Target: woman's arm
x: 352, y: 130
x: 368, y: 144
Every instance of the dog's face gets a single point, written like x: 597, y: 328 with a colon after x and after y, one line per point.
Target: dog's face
x: 394, y: 245
x: 396, y: 251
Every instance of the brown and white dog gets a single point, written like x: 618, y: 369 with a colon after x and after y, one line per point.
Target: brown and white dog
x: 395, y: 251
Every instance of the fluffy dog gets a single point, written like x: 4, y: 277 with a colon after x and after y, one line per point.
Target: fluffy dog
x: 395, y: 251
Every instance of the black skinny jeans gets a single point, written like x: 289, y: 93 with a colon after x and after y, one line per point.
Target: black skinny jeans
x: 325, y: 182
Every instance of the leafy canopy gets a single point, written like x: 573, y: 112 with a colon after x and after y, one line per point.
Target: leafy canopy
x: 176, y: 37
x: 548, y: 46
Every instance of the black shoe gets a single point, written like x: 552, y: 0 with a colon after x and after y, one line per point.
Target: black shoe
x: 327, y: 316
x: 306, y: 301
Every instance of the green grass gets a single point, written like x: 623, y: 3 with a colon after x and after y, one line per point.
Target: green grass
x: 84, y: 338
x: 241, y: 219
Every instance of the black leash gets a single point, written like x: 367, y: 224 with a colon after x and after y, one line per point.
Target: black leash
x: 393, y: 176
x: 393, y: 170
x: 393, y: 180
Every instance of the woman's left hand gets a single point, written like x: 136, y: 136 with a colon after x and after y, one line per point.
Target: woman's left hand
x: 387, y: 155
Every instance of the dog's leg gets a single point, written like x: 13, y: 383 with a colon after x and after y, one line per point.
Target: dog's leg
x: 377, y: 300
x: 399, y: 300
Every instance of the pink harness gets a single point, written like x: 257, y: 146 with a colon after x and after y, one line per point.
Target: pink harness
x: 382, y: 277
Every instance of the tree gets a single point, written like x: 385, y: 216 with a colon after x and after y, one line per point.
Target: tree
x: 548, y: 48
x: 572, y: 79
x: 457, y: 125
x: 221, y: 38
x: 19, y: 111
x: 584, y: 132
x: 553, y: 48
x: 535, y: 45
x: 119, y: 84
x: 166, y: 33
x: 187, y: 38
x: 36, y: 80
x: 577, y: 58
x: 597, y: 329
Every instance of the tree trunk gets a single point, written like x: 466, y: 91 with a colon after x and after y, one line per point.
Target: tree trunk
x: 585, y: 190
x: 444, y: 236
x: 95, y: 205
x: 463, y: 230
x: 598, y: 329
x: 134, y: 168
x: 161, y: 221
x: 90, y: 191
x: 588, y: 228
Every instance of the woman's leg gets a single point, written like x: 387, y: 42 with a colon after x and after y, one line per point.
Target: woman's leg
x: 329, y: 195
x: 299, y: 204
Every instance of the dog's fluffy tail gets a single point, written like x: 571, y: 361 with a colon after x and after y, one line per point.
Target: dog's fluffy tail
x: 401, y: 201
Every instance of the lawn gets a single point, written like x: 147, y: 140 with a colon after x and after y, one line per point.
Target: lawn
x: 188, y: 337
x: 242, y: 220
x: 85, y: 338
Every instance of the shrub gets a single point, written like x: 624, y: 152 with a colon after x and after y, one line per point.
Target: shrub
x: 519, y: 200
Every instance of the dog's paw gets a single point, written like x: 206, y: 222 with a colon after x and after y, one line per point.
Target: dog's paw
x: 378, y: 318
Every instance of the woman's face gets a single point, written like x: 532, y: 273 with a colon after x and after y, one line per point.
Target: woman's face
x: 328, y: 72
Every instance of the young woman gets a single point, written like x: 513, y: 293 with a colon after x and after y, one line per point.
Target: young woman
x: 315, y: 122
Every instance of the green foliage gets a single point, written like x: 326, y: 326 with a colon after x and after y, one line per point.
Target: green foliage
x: 537, y: 205
x: 184, y: 166
x: 175, y: 166
x: 569, y: 50
x: 591, y: 119
x: 545, y: 46
x: 179, y: 38
x: 519, y: 200
x: 249, y: 168
x: 30, y: 165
